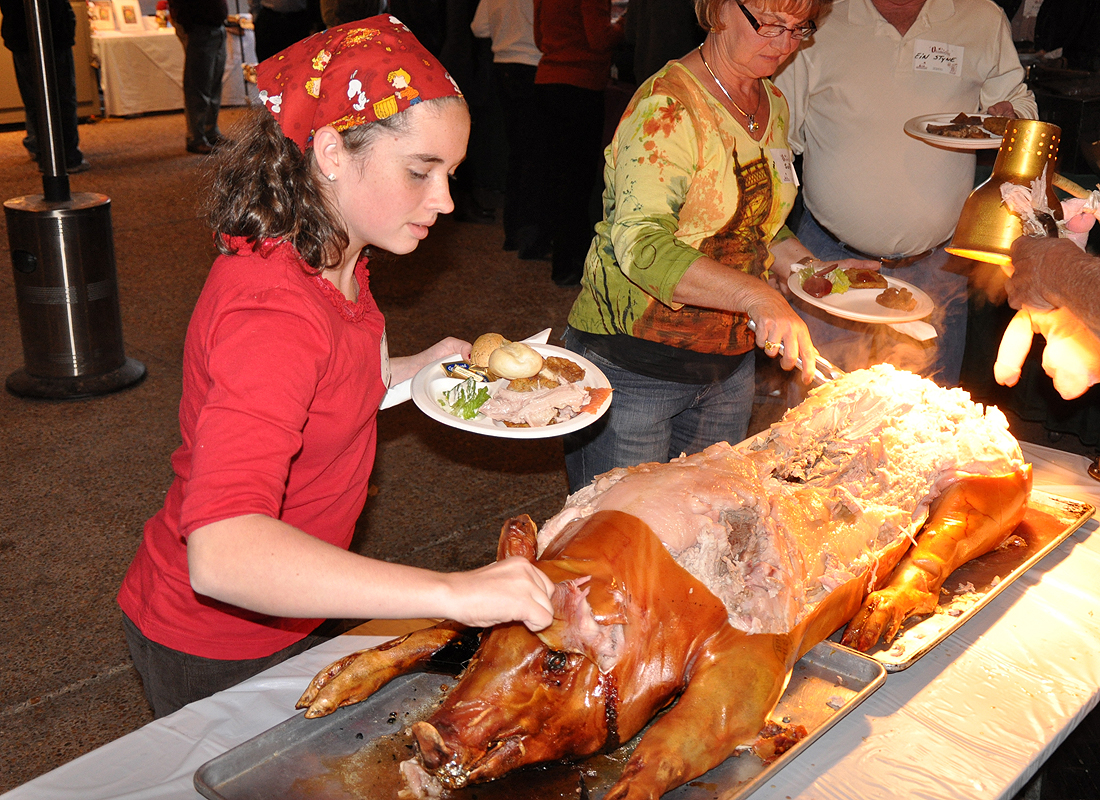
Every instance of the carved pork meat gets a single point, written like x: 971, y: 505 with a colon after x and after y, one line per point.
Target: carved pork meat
x: 700, y: 583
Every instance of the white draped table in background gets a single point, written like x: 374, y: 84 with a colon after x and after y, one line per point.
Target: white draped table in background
x: 974, y: 718
x: 142, y: 72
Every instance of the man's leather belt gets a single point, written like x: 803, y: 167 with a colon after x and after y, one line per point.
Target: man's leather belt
x: 893, y: 263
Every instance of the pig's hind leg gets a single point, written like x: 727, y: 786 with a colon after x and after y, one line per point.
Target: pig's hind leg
x: 734, y: 687
x: 973, y: 517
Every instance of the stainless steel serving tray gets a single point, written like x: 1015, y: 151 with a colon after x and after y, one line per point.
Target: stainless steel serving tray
x: 1050, y: 520
x: 354, y: 752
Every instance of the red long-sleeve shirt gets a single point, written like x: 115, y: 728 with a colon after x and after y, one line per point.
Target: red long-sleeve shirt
x: 282, y: 379
x: 577, y: 40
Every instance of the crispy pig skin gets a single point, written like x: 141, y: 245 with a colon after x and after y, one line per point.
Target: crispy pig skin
x: 692, y: 588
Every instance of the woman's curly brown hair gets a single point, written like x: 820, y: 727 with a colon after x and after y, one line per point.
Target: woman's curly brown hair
x: 264, y: 187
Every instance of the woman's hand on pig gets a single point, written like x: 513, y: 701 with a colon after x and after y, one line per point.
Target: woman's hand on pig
x: 512, y: 590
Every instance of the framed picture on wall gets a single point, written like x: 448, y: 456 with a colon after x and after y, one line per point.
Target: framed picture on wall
x: 101, y: 15
x: 128, y: 14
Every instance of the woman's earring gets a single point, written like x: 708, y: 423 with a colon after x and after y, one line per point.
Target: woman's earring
x: 331, y: 176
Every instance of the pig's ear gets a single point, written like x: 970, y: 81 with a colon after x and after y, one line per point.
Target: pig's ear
x: 577, y: 629
x: 517, y: 538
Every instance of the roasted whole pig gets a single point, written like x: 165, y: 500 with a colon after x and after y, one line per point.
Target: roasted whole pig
x: 695, y: 586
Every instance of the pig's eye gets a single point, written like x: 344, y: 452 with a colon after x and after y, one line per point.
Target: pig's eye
x: 555, y: 661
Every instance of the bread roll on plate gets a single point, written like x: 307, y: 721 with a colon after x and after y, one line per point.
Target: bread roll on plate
x: 515, y: 360
x: 483, y: 347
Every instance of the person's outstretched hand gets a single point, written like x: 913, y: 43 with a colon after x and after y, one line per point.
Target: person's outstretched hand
x: 1071, y: 357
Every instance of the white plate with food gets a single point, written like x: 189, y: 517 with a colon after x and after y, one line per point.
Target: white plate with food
x: 975, y: 137
x: 859, y: 305
x: 430, y: 383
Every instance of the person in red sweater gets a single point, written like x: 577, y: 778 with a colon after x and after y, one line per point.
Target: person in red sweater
x: 578, y: 40
x: 285, y: 365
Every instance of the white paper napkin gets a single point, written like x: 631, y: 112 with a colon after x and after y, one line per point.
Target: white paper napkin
x: 921, y: 331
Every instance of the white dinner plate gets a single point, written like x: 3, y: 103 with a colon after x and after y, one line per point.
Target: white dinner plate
x: 859, y: 304
x: 918, y: 127
x: 429, y: 384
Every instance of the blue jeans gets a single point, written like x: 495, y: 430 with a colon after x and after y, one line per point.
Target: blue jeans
x: 654, y: 420
x: 853, y: 345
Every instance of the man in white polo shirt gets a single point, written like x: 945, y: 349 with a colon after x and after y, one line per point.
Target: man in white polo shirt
x: 872, y: 191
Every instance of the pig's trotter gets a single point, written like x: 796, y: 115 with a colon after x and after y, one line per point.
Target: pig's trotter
x: 971, y: 518
x: 356, y: 677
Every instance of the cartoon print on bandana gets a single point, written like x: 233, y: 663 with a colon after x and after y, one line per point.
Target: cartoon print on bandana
x: 331, y: 78
x: 356, y: 94
x: 739, y: 243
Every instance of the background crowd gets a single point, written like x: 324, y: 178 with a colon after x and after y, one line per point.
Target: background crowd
x: 677, y: 186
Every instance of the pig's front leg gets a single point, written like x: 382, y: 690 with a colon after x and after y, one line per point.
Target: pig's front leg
x: 972, y: 517
x: 357, y: 676
x: 735, y: 686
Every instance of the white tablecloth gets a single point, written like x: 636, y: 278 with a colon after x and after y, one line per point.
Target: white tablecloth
x: 143, y: 72
x: 972, y: 719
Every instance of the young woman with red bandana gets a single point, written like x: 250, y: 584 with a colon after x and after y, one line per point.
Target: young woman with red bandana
x: 285, y: 365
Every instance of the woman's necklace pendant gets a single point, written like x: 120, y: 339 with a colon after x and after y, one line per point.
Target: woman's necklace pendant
x: 753, y: 125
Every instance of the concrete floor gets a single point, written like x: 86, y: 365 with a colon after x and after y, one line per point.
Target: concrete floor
x: 79, y: 478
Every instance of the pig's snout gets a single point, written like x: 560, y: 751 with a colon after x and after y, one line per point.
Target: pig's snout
x: 454, y: 769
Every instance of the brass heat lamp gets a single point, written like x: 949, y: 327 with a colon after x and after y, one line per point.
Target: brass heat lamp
x: 987, y: 228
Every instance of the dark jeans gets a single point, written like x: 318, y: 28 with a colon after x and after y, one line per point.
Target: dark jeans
x: 173, y: 679
x: 65, y: 87
x: 203, y: 67
x: 524, y: 180
x: 573, y: 120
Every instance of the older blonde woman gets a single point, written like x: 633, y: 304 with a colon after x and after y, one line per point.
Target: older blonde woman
x: 698, y: 185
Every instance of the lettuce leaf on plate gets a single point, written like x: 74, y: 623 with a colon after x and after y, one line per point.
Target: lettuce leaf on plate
x: 837, y: 277
x: 465, y: 399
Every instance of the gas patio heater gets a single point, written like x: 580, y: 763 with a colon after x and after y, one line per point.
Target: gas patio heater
x: 63, y: 259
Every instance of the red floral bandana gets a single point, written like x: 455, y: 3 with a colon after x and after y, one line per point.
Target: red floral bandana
x: 350, y: 75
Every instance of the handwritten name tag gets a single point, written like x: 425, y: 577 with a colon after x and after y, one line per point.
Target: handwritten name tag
x: 784, y: 166
x: 937, y: 57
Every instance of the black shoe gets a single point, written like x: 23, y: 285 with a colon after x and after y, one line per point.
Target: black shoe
x: 83, y: 166
x: 533, y: 245
x: 536, y: 251
x: 200, y: 148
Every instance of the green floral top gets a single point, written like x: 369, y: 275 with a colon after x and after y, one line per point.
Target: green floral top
x: 683, y: 178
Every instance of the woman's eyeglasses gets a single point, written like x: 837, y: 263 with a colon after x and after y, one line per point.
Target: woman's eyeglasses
x: 772, y: 31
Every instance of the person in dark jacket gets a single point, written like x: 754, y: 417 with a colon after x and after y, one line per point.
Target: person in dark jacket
x: 200, y: 26
x: 1073, y: 25
x: 13, y: 29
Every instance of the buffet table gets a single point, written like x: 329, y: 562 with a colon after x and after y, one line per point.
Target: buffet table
x: 143, y: 72
x: 975, y: 718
